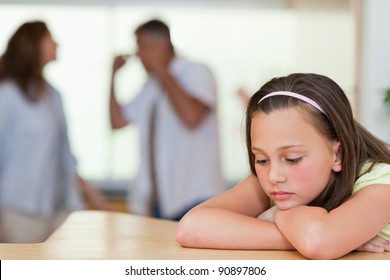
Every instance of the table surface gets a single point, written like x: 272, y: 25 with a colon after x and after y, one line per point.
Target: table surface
x: 115, y: 236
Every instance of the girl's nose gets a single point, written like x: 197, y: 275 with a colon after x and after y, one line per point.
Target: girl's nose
x: 276, y: 174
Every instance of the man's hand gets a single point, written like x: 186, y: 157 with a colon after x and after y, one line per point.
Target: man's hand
x: 156, y: 60
x: 119, y: 61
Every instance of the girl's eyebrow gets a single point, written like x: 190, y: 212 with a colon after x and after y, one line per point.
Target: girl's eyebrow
x: 253, y: 148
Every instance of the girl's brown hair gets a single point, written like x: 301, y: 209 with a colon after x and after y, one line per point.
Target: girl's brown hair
x: 336, y: 124
x: 21, y: 60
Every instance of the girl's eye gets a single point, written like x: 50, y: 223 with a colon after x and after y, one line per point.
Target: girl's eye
x: 294, y: 160
x: 261, y: 161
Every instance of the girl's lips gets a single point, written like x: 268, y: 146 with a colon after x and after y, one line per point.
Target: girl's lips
x: 281, y: 195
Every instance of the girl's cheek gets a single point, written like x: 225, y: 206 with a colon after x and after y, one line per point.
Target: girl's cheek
x: 259, y: 171
x: 261, y: 176
x: 304, y: 176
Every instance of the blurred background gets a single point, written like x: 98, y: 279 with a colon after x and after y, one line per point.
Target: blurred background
x: 244, y: 42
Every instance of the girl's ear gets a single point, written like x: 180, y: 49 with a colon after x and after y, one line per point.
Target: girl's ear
x: 337, y: 157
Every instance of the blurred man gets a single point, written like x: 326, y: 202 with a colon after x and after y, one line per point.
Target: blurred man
x: 176, y: 115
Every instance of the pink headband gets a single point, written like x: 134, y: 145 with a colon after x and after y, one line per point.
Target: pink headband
x: 295, y: 95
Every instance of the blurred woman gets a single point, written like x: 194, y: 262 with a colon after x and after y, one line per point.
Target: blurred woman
x: 39, y: 185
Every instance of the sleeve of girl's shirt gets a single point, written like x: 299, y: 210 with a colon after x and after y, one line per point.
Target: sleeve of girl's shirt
x: 380, y: 174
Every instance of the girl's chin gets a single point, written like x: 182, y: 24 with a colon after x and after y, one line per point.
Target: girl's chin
x: 287, y: 206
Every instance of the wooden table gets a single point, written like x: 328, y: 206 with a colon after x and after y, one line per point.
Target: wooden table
x: 113, y: 235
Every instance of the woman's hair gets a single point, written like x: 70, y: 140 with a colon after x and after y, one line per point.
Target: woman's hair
x: 21, y: 60
x: 336, y: 124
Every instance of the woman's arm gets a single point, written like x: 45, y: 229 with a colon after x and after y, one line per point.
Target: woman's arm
x: 229, y: 221
x: 93, y: 196
x: 319, y: 234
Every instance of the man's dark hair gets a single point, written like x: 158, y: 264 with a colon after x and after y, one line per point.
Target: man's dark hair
x: 156, y: 28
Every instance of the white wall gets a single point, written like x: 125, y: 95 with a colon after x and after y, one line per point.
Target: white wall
x: 375, y: 67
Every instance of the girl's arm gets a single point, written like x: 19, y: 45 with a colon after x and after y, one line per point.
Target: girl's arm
x: 229, y: 221
x: 319, y: 234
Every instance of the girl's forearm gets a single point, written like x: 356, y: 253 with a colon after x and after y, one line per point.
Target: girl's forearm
x: 223, y: 229
x: 307, y: 229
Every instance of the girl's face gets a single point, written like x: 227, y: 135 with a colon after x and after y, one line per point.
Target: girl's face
x: 293, y: 161
x: 48, y: 49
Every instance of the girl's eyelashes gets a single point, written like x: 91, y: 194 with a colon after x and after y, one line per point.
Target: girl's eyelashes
x: 289, y: 160
x: 261, y: 161
x: 294, y: 160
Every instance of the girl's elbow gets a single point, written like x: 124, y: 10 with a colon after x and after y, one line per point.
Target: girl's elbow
x: 182, y: 237
x: 314, y: 244
x: 313, y: 249
x: 320, y: 252
x: 185, y: 235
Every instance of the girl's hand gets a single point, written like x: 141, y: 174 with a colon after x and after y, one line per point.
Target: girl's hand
x: 375, y: 245
x: 268, y: 215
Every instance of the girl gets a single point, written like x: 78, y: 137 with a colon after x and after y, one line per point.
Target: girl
x: 39, y: 184
x: 320, y: 182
